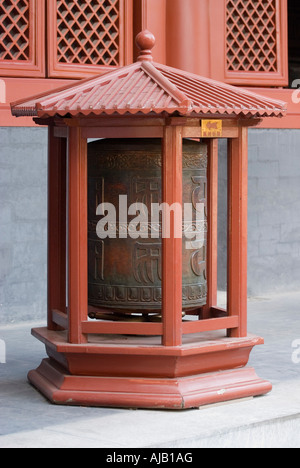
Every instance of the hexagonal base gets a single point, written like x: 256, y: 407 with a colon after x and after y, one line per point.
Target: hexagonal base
x: 193, y: 375
x: 185, y: 392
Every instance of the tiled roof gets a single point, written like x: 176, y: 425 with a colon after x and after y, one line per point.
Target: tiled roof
x: 148, y: 87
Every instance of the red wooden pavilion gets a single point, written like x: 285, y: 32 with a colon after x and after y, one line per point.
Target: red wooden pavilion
x: 175, y: 363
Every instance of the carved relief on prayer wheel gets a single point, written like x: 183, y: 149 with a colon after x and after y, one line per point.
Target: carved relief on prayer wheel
x: 125, y: 227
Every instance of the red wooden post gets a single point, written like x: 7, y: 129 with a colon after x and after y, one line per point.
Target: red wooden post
x: 237, y: 231
x: 77, y: 234
x: 212, y: 219
x: 56, y: 225
x: 172, y: 247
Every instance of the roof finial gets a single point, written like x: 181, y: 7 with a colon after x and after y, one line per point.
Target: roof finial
x: 145, y: 42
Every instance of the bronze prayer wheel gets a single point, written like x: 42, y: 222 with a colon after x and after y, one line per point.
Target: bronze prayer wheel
x: 124, y: 269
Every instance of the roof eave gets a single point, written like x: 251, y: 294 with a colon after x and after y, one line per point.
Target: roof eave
x: 187, y: 110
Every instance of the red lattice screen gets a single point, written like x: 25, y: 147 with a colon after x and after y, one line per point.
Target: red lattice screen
x: 14, y: 30
x: 88, y: 32
x: 85, y: 35
x: 251, y: 35
x: 21, y: 23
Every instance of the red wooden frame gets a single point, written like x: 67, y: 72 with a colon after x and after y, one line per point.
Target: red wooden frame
x: 172, y: 247
x: 173, y: 328
x: 77, y: 235
x: 57, y: 179
x: 57, y: 69
x: 237, y: 231
x: 34, y: 66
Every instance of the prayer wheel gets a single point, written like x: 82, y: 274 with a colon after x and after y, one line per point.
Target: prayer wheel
x: 124, y: 236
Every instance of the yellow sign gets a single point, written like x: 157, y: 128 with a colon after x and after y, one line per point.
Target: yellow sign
x: 211, y: 128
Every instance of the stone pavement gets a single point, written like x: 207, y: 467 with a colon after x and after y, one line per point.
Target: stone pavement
x: 272, y: 421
